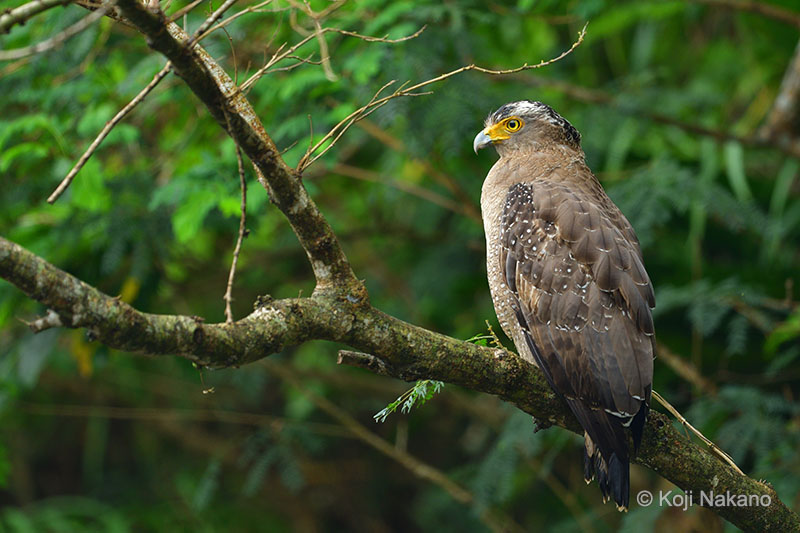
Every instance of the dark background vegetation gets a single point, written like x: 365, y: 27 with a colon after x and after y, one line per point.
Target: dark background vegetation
x: 670, y: 98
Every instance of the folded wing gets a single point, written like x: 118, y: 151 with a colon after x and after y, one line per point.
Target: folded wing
x: 582, y: 298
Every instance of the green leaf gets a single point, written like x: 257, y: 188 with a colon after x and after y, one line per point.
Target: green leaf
x: 27, y: 151
x: 615, y: 21
x: 208, y: 485
x: 94, y: 119
x: 15, y: 521
x: 783, y: 185
x: 422, y: 391
x: 620, y: 145
x: 786, y: 331
x: 88, y: 191
x: 188, y: 218
x: 734, y: 164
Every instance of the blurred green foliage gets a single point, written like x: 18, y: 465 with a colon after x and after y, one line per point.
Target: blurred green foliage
x: 97, y: 440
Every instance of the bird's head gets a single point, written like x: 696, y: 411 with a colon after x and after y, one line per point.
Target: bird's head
x: 526, y: 125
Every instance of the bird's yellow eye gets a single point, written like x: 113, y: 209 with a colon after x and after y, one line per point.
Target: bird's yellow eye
x: 513, y: 124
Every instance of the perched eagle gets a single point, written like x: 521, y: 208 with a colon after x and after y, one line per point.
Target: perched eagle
x: 568, y: 282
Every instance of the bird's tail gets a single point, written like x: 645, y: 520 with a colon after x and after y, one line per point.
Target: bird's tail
x: 613, y: 473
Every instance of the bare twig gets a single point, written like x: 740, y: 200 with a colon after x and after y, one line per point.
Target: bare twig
x: 414, y: 465
x: 317, y: 32
x: 269, y: 69
x: 325, y: 55
x: 714, y: 448
x: 322, y: 14
x: 230, y: 108
x: 65, y: 183
x: 56, y: 40
x: 105, y: 131
x: 336, y: 132
x: 242, y: 233
x: 184, y: 10
x: 228, y: 297
x: 214, y: 17
x: 50, y: 320
x: 364, y: 360
x: 251, y: 9
x: 384, y: 39
x: 20, y: 14
x: 762, y: 8
x: 412, y: 352
x: 339, y: 308
x: 341, y: 128
x: 300, y: 61
x: 281, y: 54
x: 276, y: 56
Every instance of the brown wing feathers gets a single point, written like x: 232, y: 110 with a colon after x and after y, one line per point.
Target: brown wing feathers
x: 582, y: 299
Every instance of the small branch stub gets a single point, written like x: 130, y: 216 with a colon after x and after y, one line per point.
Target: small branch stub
x: 50, y: 320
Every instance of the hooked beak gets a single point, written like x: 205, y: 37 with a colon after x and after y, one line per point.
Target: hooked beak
x: 481, y: 141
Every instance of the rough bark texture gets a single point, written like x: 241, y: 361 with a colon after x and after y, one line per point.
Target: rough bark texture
x: 233, y: 112
x: 339, y: 309
x: 407, y: 352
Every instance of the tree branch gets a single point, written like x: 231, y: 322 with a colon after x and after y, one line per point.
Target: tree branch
x: 409, y: 90
x: 339, y: 309
x: 110, y: 125
x: 49, y: 320
x: 406, y: 352
x: 20, y: 14
x: 234, y: 114
x: 228, y: 297
x: 58, y: 39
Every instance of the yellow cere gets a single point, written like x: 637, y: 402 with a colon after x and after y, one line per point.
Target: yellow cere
x: 503, y: 129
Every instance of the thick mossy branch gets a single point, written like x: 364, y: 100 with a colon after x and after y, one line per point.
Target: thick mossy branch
x: 120, y: 326
x: 406, y: 351
x: 694, y: 468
